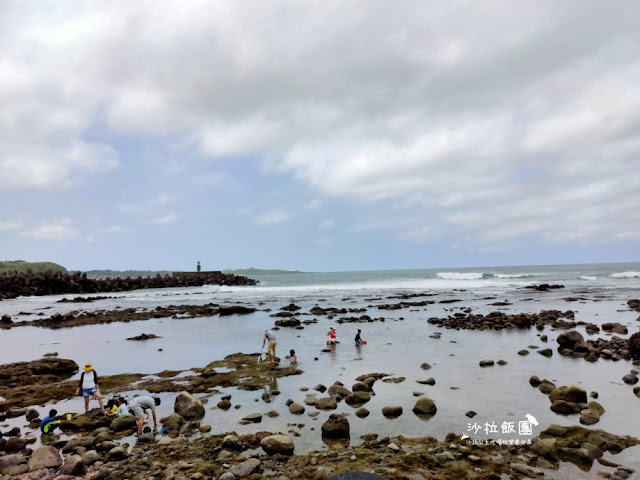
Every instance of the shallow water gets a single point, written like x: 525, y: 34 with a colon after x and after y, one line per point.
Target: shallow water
x: 397, y: 346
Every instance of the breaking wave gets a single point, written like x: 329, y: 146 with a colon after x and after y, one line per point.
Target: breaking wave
x: 626, y: 275
x: 588, y: 277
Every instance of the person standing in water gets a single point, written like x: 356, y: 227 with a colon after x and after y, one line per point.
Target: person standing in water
x: 358, y: 339
x: 270, y: 337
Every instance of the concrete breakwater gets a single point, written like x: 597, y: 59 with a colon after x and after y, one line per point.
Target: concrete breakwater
x: 15, y: 284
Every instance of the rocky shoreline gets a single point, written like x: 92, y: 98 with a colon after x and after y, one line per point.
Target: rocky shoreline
x: 13, y: 284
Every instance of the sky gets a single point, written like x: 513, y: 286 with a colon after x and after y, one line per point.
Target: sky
x: 319, y: 136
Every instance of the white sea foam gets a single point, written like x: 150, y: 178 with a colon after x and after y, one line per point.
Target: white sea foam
x: 460, y: 275
x: 589, y: 277
x: 626, y: 275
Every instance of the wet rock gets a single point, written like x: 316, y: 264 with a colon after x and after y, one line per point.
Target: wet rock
x: 90, y: 457
x: 615, y: 328
x: 570, y: 339
x: 296, y: 409
x: 565, y: 408
x: 231, y: 442
x: 13, y: 465
x: 486, y: 363
x: 310, y: 400
x: 173, y: 422
x: 326, y: 403
x: 123, y: 423
x: 428, y: 381
x: 634, y: 346
x: 534, y: 381
x: 116, y: 454
x: 471, y: 414
x: 630, y: 379
x: 245, y: 468
x: 339, y: 390
x: 224, y: 404
x: 320, y: 388
x: 32, y: 414
x: 142, y: 337
x: 523, y: 352
x: 392, y: 411
x: 73, y: 466
x: 361, y: 387
x: 546, y: 386
x: 15, y: 444
x: 589, y: 417
x: 337, y: 426
x: 424, y: 406
x: 547, y: 352
x: 277, y: 444
x: 425, y: 366
x: 501, y: 362
x: 225, y: 310
x: 188, y: 406
x: 362, y: 413
x: 357, y: 399
x: 45, y: 457
x: 272, y: 414
x: 253, y: 418
x: 569, y: 393
x: 394, y: 380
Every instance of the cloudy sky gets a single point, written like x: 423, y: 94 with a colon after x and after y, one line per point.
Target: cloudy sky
x: 319, y: 135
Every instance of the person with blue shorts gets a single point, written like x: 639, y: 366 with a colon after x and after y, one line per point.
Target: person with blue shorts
x: 88, y: 385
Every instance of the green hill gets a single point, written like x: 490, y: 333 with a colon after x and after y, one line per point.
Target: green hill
x: 125, y: 273
x: 21, y: 266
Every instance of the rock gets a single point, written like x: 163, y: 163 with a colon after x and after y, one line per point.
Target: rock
x: 326, y: 403
x: 231, y: 442
x: 31, y: 414
x: 546, y: 386
x: 90, y: 457
x: 339, y: 390
x: 630, y: 379
x: 547, y: 352
x: 337, y: 426
x: 310, y: 400
x: 227, y: 476
x: 534, y: 381
x: 544, y: 447
x: 272, y: 414
x: 253, y: 418
x: 188, y: 406
x: 425, y: 366
x: 13, y: 465
x: 362, y: 413
x: 173, y: 421
x: 424, y: 406
x: 501, y: 363
x: 471, y: 414
x: 357, y: 399
x: 116, y: 454
x: 277, y: 444
x: 486, y: 363
x: 224, y: 404
x: 523, y: 352
x: 615, y: 328
x: 569, y: 393
x: 73, y: 466
x: 634, y: 346
x: 296, y: 409
x: 45, y: 457
x: 428, y: 381
x: 123, y: 423
x: 360, y: 387
x: 392, y: 411
x: 224, y: 310
x: 245, y: 468
x: 15, y: 444
x: 589, y: 417
x: 595, y: 406
x: 565, y: 408
x: 320, y: 388
x: 570, y: 339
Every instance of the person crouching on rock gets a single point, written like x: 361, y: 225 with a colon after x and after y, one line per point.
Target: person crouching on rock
x: 89, y: 386
x: 138, y: 405
x: 49, y: 423
x: 332, y: 336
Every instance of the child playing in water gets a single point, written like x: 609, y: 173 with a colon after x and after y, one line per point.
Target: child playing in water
x: 332, y: 336
x: 293, y: 357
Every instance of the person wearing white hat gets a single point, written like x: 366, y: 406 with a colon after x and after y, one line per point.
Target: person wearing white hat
x: 89, y: 386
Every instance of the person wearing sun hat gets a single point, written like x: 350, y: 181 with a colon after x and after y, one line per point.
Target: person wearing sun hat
x: 88, y: 385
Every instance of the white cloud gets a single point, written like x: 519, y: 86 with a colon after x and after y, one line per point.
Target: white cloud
x: 418, y: 111
x: 273, y: 218
x: 8, y: 225
x: 170, y: 217
x: 61, y: 229
x: 115, y: 229
x: 327, y: 224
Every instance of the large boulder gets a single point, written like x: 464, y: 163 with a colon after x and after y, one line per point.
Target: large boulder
x: 326, y: 403
x: 245, y: 468
x: 45, y: 457
x: 570, y: 339
x: 15, y: 444
x: 337, y: 426
x: 357, y: 398
x: 13, y: 465
x: 188, y: 406
x: 339, y: 390
x: 425, y: 406
x: 392, y: 411
x: 73, y: 466
x: 296, y: 409
x: 568, y: 393
x: 123, y: 423
x: 277, y: 444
